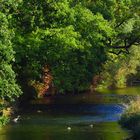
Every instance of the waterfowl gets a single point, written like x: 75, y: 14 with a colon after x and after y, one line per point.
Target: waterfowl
x: 16, y: 119
x: 39, y: 111
x: 69, y: 128
x: 91, y: 125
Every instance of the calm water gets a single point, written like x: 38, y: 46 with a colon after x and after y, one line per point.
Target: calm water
x: 80, y: 112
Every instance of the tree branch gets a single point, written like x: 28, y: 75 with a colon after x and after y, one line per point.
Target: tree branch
x: 121, y: 51
x: 125, y: 47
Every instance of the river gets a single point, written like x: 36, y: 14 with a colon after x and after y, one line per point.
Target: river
x: 73, y: 117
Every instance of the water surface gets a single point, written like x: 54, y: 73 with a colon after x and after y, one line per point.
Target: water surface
x: 90, y: 116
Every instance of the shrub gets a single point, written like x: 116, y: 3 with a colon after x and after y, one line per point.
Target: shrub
x: 130, y: 119
x: 118, y: 69
x: 4, y: 120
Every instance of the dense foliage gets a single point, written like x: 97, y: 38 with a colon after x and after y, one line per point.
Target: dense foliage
x: 67, y: 39
x: 118, y: 71
x: 9, y: 89
x: 131, y: 117
x: 70, y: 39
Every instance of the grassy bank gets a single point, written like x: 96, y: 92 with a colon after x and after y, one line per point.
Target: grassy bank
x: 5, y: 115
x: 131, y: 118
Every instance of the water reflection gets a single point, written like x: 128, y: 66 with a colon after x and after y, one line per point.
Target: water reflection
x: 53, y: 125
x: 123, y: 91
x: 50, y: 122
x: 100, y: 131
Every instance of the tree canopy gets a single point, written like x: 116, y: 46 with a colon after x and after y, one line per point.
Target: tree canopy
x: 72, y: 38
x: 9, y: 89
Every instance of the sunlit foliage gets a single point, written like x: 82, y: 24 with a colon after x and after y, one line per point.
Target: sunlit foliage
x: 118, y: 69
x: 9, y: 89
x: 73, y: 38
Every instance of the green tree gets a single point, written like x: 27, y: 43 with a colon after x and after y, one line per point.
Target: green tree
x: 124, y: 19
x: 9, y: 90
x: 72, y: 37
x: 59, y: 34
x: 118, y: 69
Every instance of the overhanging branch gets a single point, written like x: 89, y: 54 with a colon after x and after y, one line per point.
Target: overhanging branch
x: 119, y: 52
x: 123, y: 49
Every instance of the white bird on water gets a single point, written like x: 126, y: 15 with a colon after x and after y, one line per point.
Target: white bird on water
x: 69, y: 128
x: 16, y: 119
x: 91, y: 125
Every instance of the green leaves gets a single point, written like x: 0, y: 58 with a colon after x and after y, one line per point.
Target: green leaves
x: 71, y: 37
x: 9, y: 89
x: 117, y: 71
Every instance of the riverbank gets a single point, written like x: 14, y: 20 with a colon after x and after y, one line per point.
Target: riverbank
x: 131, y: 119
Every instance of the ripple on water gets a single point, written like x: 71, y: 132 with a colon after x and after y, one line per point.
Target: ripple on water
x: 75, y: 114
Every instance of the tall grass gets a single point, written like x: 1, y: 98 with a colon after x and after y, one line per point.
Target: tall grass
x: 130, y: 119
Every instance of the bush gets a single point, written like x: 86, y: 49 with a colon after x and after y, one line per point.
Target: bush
x: 118, y: 69
x: 131, y: 118
x: 4, y: 120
